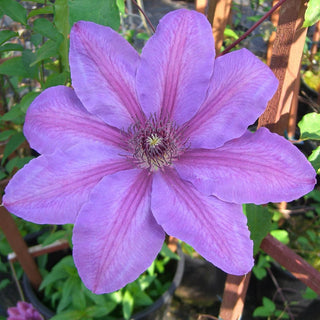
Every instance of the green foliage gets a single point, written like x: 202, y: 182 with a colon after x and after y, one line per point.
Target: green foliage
x: 103, y: 12
x: 67, y: 295
x: 281, y: 235
x: 310, y: 126
x: 312, y: 14
x: 14, y: 10
x: 266, y: 310
x: 314, y: 158
x: 259, y: 222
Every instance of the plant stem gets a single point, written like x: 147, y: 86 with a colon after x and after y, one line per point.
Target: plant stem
x: 279, y: 289
x: 149, y: 22
x: 275, y: 7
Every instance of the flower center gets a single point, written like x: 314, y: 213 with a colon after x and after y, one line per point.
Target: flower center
x: 155, y: 143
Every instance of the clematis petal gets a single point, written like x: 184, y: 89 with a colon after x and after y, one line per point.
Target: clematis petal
x: 176, y: 66
x: 52, y: 188
x: 57, y: 119
x: 115, y: 236
x: 258, y: 167
x: 103, y: 67
x: 215, y: 229
x: 240, y: 88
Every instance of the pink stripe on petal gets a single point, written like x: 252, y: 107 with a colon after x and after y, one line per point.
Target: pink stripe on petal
x: 258, y: 167
x: 115, y: 237
x: 103, y: 67
x: 52, y: 188
x: 240, y: 89
x: 57, y: 119
x: 215, y: 229
x: 176, y: 66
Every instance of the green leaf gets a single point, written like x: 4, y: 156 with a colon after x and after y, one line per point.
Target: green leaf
x: 43, y: 10
x: 127, y: 305
x: 11, y: 47
x: 314, y: 158
x: 14, y: 142
x: 14, y: 67
x: 4, y: 135
x: 259, y: 222
x: 14, y: 10
x: 230, y: 33
x: 312, y: 14
x: 61, y: 21
x: 281, y: 235
x: 166, y: 252
x: 121, y: 6
x: 98, y: 311
x: 49, y: 49
x: 58, y: 272
x: 266, y: 310
x: 56, y: 79
x: 4, y: 283
x: 142, y: 299
x: 17, y: 163
x: 309, y: 294
x: 5, y: 35
x: 28, y: 57
x: 310, y: 126
x: 46, y: 28
x: 103, y: 12
x: 67, y: 315
x: 60, y: 234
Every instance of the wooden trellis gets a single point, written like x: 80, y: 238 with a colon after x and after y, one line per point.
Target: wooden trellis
x: 285, y: 63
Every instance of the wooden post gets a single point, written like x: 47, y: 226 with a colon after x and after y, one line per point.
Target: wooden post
x: 274, y: 19
x: 234, y: 296
x: 18, y: 245
x: 221, y: 10
x: 201, y: 6
x: 292, y: 262
x: 285, y: 63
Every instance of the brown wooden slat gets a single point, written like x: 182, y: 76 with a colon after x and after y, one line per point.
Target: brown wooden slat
x: 292, y: 262
x: 234, y: 296
x: 285, y: 63
x: 18, y: 245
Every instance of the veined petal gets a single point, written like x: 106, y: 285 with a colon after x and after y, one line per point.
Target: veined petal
x: 215, y: 229
x: 57, y: 119
x: 103, y: 67
x: 176, y: 66
x: 258, y: 167
x: 52, y: 188
x: 240, y: 89
x: 115, y: 237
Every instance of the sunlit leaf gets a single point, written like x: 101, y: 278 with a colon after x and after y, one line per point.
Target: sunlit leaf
x: 314, y: 158
x: 281, y: 235
x: 310, y: 126
x: 312, y: 14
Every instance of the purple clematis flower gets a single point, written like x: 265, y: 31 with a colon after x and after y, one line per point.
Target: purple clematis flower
x: 154, y: 143
x: 23, y: 311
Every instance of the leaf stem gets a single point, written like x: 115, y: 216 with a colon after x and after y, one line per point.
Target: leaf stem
x: 274, y: 8
x: 144, y: 14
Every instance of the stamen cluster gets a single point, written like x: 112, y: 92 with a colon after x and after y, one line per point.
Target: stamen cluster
x: 155, y: 143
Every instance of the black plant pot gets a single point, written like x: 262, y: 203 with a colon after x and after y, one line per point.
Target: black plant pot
x: 153, y: 312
